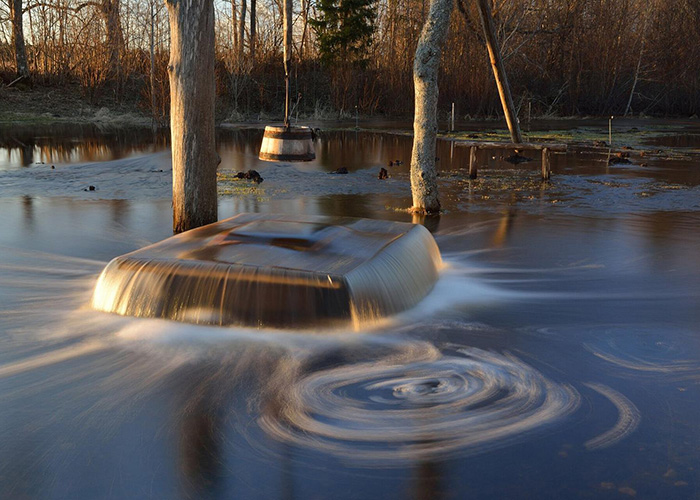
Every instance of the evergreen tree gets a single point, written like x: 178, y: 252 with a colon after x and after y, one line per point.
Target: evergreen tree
x: 344, y: 30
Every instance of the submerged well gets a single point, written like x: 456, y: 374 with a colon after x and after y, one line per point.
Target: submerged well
x: 275, y: 270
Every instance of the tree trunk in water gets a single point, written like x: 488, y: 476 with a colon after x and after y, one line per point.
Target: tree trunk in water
x: 425, y: 73
x: 192, y: 92
x: 499, y: 71
x: 18, y: 39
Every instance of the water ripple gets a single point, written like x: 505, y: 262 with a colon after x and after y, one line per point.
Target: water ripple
x: 627, y: 421
x: 432, y: 405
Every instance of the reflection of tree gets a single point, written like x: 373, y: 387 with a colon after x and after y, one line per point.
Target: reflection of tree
x: 505, y: 227
x: 26, y: 152
x: 213, y: 394
x: 431, y: 222
x: 200, y: 446
x: 74, y: 143
x: 428, y: 484
x: 346, y: 205
x: 28, y: 205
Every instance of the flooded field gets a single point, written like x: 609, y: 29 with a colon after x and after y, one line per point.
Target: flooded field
x: 558, y: 356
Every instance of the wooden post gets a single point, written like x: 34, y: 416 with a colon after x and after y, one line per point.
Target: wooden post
x: 452, y: 119
x: 499, y: 71
x: 546, y: 164
x: 192, y: 93
x: 287, y: 56
x: 472, y: 162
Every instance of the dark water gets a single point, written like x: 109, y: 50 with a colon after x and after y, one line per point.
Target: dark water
x: 558, y: 357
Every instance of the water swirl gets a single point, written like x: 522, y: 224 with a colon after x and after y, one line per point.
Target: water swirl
x: 430, y: 406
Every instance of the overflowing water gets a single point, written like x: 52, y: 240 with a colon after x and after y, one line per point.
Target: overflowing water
x: 275, y: 270
x: 557, y: 355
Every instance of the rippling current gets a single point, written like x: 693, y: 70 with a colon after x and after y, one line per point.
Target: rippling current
x: 416, y: 404
x: 558, y: 355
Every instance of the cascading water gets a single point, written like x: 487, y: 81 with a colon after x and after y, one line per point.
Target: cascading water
x: 275, y: 270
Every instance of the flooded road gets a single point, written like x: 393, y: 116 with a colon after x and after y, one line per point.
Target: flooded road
x: 557, y: 357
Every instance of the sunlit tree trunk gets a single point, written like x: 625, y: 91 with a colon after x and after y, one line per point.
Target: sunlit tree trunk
x: 192, y: 92
x: 425, y: 73
x: 18, y: 39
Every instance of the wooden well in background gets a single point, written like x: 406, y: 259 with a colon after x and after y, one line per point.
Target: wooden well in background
x: 282, y: 143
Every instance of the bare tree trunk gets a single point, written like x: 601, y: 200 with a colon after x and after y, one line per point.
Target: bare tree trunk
x: 305, y: 27
x: 241, y: 36
x: 252, y: 31
x: 234, y: 28
x: 18, y: 39
x: 425, y: 73
x: 152, y: 43
x: 499, y: 71
x: 115, y: 38
x: 639, y: 59
x: 287, y: 56
x: 192, y: 92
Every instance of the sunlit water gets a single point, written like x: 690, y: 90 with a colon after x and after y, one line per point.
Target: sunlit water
x: 557, y: 357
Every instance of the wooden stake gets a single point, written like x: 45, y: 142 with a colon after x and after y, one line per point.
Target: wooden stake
x: 472, y: 162
x: 546, y: 164
x: 499, y: 71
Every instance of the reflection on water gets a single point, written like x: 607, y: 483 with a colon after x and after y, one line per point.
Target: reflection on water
x: 24, y: 146
x: 557, y: 357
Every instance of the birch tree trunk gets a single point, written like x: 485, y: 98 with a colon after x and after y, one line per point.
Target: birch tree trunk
x: 18, y: 39
x: 425, y: 72
x: 192, y: 92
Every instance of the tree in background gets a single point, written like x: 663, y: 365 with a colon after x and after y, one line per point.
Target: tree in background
x: 344, y: 30
x: 18, y: 39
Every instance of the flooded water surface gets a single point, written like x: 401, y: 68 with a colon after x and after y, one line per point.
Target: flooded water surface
x: 557, y: 356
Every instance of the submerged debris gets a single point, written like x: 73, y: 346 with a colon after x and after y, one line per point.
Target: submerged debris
x: 383, y: 174
x: 517, y: 158
x: 341, y: 170
x: 621, y: 158
x: 251, y: 175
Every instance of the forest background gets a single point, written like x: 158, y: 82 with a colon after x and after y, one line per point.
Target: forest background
x: 563, y: 57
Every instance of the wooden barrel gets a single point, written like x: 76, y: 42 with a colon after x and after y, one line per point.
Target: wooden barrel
x: 282, y: 144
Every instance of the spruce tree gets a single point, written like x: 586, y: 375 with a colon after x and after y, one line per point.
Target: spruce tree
x: 344, y: 30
